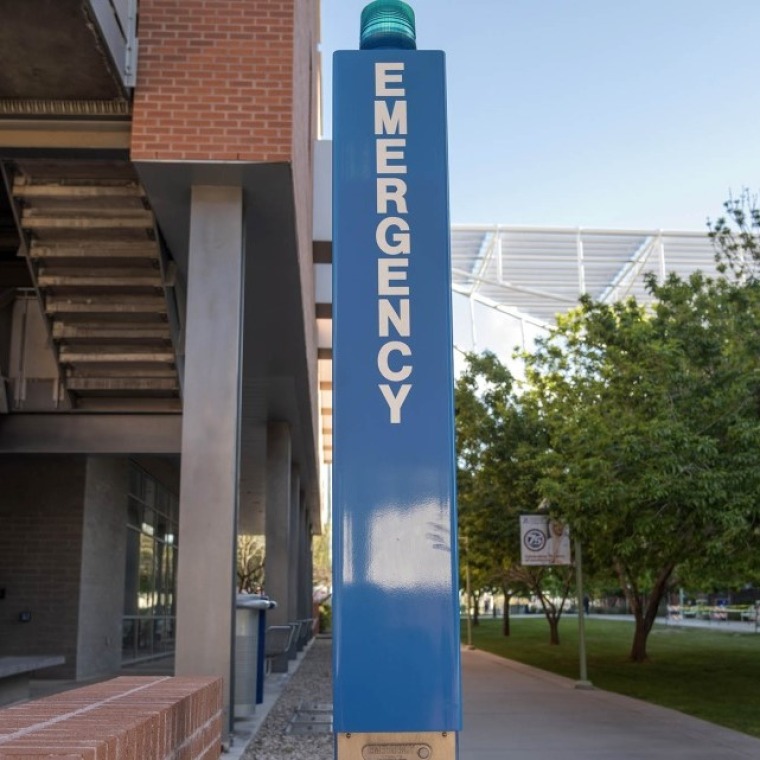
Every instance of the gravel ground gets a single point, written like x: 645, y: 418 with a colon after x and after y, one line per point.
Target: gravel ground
x: 312, y: 682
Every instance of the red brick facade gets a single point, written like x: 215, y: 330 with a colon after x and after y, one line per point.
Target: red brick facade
x: 215, y: 80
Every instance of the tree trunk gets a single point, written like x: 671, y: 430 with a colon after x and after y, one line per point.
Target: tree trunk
x: 645, y: 613
x: 505, y: 627
x: 476, y: 609
x: 553, y: 630
x: 640, y: 636
x: 552, y: 611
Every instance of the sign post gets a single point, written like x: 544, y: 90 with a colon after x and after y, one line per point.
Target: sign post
x: 583, y: 683
x: 544, y: 541
x: 396, y: 642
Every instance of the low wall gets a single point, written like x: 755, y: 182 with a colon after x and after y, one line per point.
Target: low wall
x: 127, y: 718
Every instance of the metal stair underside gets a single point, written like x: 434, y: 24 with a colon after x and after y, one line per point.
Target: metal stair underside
x: 96, y: 262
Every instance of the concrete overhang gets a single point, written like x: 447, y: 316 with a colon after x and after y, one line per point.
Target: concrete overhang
x: 74, y: 433
x: 276, y: 383
x: 53, y: 51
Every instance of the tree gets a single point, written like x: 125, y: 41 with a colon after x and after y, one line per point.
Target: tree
x: 653, y: 430
x: 487, y: 520
x: 736, y: 237
x: 250, y: 563
x: 322, y: 562
x: 551, y: 586
x: 498, y: 442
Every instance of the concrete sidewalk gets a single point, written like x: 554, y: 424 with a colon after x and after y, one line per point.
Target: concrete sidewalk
x: 515, y: 712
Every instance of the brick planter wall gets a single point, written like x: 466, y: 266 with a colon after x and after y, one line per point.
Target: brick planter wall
x: 127, y: 718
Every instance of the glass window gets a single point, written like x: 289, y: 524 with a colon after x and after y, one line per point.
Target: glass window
x: 134, y: 513
x: 149, y: 622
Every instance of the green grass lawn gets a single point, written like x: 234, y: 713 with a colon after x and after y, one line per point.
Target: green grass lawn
x: 710, y: 674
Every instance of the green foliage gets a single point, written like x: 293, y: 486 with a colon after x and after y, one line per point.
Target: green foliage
x: 735, y: 236
x: 653, y: 421
x: 325, y: 618
x: 499, y: 440
x: 321, y: 559
x: 639, y: 426
x: 481, y: 408
x: 654, y: 429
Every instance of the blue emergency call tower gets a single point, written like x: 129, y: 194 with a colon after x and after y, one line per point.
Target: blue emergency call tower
x: 397, y: 689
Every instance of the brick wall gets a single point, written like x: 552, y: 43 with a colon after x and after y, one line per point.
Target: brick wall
x: 214, y: 80
x: 41, y: 510
x: 145, y: 718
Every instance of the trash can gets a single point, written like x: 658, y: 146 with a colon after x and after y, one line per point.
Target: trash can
x: 250, y: 622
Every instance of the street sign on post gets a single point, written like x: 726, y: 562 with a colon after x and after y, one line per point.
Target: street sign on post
x: 544, y: 541
x: 395, y: 607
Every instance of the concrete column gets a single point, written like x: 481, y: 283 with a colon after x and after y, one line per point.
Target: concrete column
x: 277, y: 563
x: 304, y: 578
x: 293, y: 544
x: 309, y: 564
x: 253, y: 467
x: 210, y: 437
x: 101, y: 591
x: 278, y: 519
x: 293, y: 577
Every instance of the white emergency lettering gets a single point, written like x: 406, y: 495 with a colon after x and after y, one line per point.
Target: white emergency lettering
x: 393, y: 237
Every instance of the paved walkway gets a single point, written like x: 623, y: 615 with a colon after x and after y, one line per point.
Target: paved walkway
x: 515, y: 712
x: 732, y: 626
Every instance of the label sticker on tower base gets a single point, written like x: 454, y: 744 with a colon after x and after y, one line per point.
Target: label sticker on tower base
x: 400, y: 746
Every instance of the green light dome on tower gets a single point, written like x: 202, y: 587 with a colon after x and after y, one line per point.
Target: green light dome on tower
x: 388, y: 24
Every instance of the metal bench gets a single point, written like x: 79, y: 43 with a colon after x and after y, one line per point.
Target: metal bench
x: 278, y: 641
x: 306, y: 631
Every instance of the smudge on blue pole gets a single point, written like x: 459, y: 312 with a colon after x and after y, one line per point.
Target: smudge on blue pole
x: 396, y: 602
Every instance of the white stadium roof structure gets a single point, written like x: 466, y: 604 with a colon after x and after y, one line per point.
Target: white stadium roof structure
x: 530, y: 274
x: 509, y: 283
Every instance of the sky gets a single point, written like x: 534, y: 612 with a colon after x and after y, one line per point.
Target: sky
x: 588, y: 113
